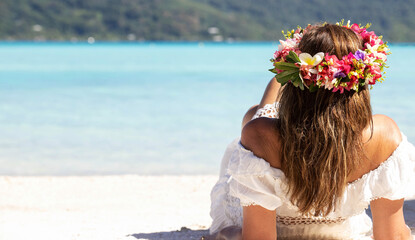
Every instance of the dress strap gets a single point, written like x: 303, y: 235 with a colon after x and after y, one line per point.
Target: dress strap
x: 269, y: 111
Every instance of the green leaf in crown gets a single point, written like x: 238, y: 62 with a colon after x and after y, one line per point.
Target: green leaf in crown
x: 288, y: 75
x: 286, y: 66
x: 290, y: 70
x: 292, y: 57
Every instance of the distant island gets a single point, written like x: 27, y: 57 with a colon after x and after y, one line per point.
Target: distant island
x: 193, y: 20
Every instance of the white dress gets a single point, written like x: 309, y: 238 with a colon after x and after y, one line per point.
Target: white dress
x: 248, y: 180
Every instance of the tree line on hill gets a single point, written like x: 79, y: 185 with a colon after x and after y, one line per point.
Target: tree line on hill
x: 194, y: 20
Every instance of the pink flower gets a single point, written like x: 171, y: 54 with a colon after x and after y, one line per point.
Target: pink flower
x: 332, y: 60
x: 307, y: 71
x: 276, y: 54
x: 368, y: 35
x: 355, y: 27
x: 335, y: 89
x: 375, y: 70
x: 353, y: 79
x: 280, y: 55
x: 345, y: 68
x: 346, y: 63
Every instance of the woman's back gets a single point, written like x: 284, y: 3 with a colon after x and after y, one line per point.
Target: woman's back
x: 258, y: 184
x: 262, y: 137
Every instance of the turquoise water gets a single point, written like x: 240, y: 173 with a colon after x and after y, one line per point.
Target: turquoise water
x: 151, y: 108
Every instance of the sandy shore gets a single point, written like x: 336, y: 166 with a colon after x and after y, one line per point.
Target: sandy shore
x: 109, y: 207
x: 105, y: 207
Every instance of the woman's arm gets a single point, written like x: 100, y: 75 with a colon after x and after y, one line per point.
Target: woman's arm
x: 259, y: 223
x: 271, y: 93
x: 270, y: 96
x: 387, y: 215
x: 388, y: 221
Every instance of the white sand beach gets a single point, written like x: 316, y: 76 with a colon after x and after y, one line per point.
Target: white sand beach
x: 105, y: 207
x: 109, y: 207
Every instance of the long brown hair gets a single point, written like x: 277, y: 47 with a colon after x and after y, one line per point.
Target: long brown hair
x: 322, y: 131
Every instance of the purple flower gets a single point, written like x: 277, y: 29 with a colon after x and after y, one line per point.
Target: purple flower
x: 339, y: 74
x: 359, y: 55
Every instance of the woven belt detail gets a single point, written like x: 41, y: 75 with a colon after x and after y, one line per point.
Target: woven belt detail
x: 285, y: 220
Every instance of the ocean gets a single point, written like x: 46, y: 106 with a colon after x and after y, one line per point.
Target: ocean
x: 145, y: 108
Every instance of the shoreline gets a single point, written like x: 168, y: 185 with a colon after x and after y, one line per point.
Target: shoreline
x: 111, y: 207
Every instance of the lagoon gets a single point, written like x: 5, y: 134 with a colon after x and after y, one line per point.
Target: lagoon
x: 146, y: 108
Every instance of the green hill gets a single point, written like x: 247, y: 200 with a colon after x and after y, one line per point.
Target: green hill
x: 194, y: 20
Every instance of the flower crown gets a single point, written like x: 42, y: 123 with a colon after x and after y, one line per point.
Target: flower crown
x: 322, y: 70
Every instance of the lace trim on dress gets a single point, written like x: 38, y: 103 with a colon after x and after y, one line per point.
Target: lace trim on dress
x: 269, y: 111
x: 384, y: 164
x: 286, y: 220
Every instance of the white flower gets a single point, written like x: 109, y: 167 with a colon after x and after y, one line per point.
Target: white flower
x: 368, y: 79
x: 369, y: 60
x: 376, y: 54
x: 372, y: 49
x: 313, y: 71
x: 307, y: 59
x: 355, y: 87
x: 381, y: 56
x: 328, y: 84
x: 298, y: 36
x: 289, y: 43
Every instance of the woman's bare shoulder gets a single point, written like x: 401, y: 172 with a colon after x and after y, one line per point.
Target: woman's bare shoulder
x: 261, y: 136
x: 385, y: 139
x: 387, y: 127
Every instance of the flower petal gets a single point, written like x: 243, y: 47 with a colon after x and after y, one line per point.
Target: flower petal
x: 318, y: 57
x: 305, y: 58
x: 313, y: 71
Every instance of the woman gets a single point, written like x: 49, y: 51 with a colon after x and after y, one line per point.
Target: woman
x: 312, y: 170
